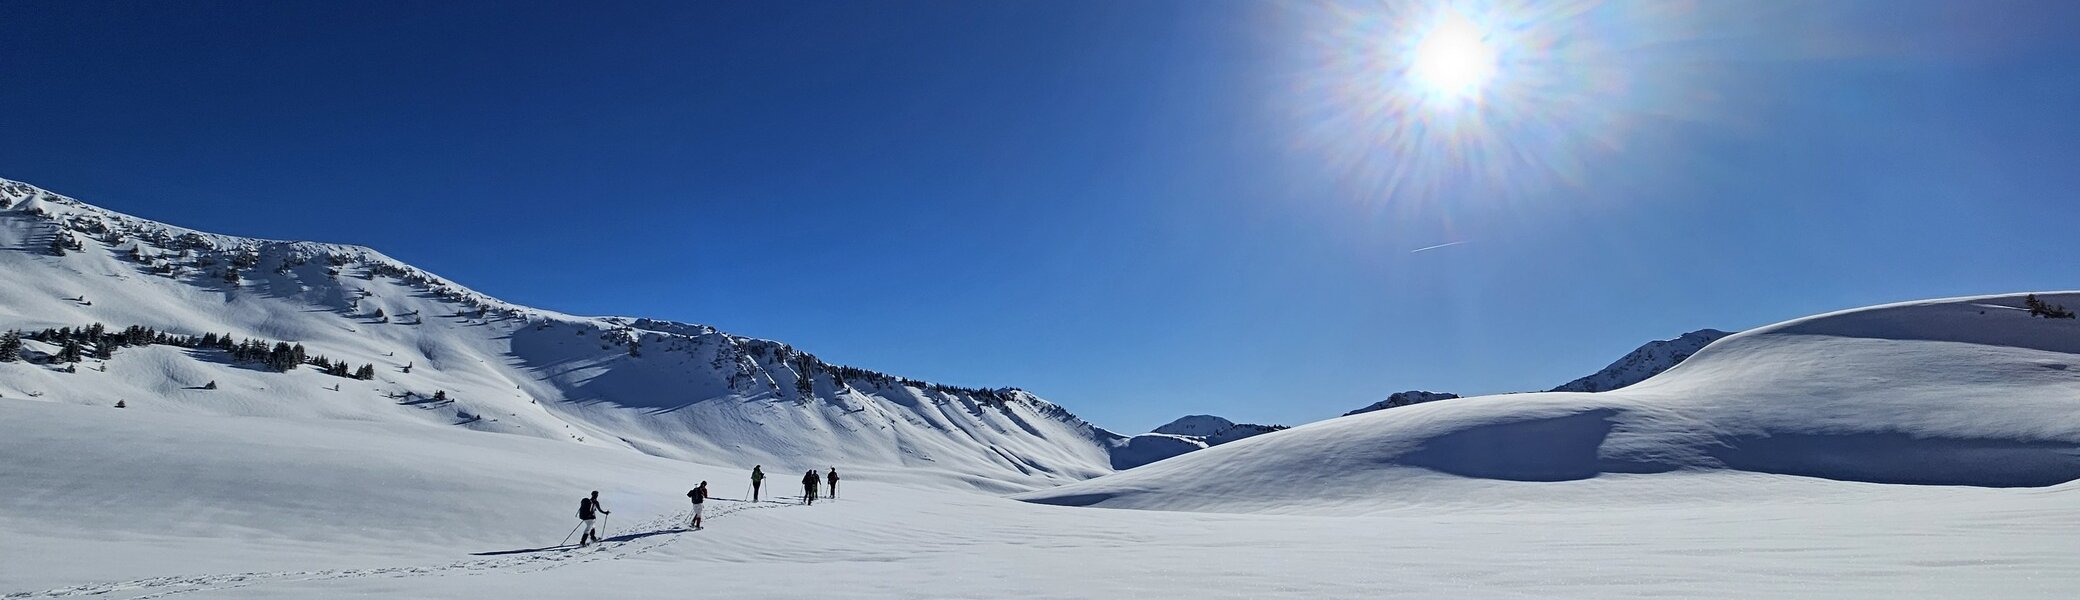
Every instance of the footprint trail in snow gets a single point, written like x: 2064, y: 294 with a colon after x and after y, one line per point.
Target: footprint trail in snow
x: 642, y: 538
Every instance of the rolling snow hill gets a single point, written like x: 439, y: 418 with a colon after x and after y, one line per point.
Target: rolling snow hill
x: 1961, y: 392
x: 441, y: 355
x: 1199, y: 432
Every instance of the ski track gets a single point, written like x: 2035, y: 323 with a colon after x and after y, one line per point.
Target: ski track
x: 644, y: 537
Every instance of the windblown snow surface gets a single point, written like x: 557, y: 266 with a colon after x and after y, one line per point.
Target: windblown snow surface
x: 1914, y: 450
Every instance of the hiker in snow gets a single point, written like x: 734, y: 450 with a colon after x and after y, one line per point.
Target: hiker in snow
x: 699, y: 494
x: 587, y: 508
x: 832, y: 477
x: 809, y: 487
x: 758, y: 478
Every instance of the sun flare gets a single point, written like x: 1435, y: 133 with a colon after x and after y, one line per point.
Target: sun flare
x: 1454, y: 59
x: 1420, y: 105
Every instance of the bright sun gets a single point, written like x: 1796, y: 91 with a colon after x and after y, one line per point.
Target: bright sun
x: 1454, y: 59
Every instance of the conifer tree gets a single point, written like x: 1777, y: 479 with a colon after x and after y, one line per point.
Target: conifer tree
x: 10, y: 346
x: 367, y: 371
x: 71, y: 352
x: 282, y: 358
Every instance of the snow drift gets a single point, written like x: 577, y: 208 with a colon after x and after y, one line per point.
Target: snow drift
x: 1967, y: 391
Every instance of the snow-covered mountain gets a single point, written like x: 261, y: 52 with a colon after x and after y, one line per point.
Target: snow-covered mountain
x: 1645, y: 362
x: 1214, y: 430
x: 1186, y: 434
x: 1198, y: 432
x: 1955, y: 392
x: 1195, y: 425
x: 417, y: 349
x: 1398, y: 399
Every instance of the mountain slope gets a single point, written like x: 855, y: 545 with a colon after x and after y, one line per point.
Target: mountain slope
x: 1195, y: 425
x: 1966, y: 391
x: 668, y: 389
x: 1404, y: 399
x: 1645, y: 362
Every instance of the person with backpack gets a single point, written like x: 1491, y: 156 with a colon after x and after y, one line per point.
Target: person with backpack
x: 758, y: 478
x: 832, y: 477
x: 809, y: 487
x: 699, y: 494
x: 587, y: 509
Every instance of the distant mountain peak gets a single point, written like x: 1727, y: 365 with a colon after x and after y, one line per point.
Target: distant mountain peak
x: 1645, y: 362
x: 1404, y: 399
x: 1196, y: 425
x: 1186, y: 434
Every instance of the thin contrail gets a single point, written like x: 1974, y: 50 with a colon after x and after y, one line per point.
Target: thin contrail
x: 1444, y: 245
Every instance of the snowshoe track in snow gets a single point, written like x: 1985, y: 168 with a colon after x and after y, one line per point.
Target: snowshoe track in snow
x: 644, y: 537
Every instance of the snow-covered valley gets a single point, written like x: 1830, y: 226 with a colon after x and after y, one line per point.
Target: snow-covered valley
x: 217, y: 507
x: 1923, y: 449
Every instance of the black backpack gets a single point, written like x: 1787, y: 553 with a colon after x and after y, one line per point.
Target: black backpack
x: 585, y: 509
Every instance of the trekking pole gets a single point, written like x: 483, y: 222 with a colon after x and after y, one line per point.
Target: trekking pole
x: 567, y: 536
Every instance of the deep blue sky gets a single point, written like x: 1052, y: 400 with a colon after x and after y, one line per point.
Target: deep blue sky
x: 1132, y: 208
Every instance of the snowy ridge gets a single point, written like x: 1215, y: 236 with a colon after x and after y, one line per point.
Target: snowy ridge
x: 657, y: 387
x: 1195, y: 425
x: 1404, y: 399
x: 1638, y: 365
x: 1965, y: 391
x: 1647, y: 361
